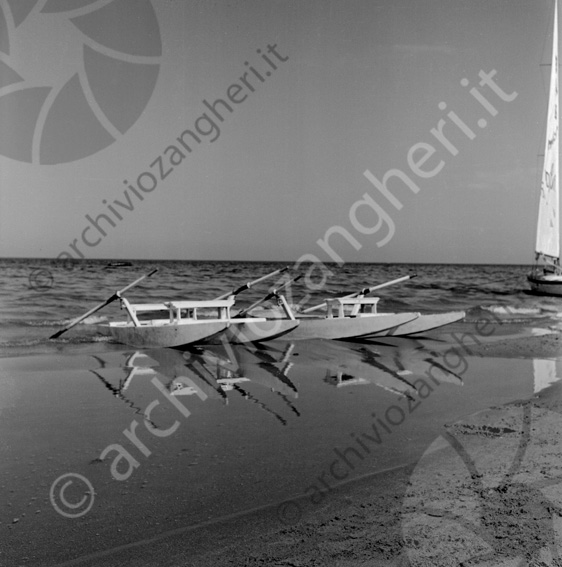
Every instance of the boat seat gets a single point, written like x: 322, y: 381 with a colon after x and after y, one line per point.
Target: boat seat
x: 217, y: 303
x: 175, y: 308
x: 358, y: 305
x: 139, y: 307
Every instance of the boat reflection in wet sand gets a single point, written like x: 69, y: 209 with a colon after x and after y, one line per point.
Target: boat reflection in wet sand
x: 219, y: 371
x: 394, y: 369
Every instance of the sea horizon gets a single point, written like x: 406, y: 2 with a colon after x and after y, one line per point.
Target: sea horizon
x: 327, y: 262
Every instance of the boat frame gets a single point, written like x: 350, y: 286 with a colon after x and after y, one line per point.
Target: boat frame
x: 191, y: 322
x: 349, y: 319
x: 211, y: 322
x: 345, y: 318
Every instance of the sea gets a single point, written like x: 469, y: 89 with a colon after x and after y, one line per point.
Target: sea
x: 38, y: 296
x: 113, y: 455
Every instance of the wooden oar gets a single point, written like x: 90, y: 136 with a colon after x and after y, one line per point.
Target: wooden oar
x: 250, y: 284
x: 115, y: 296
x: 364, y: 291
x: 367, y: 290
x: 268, y: 296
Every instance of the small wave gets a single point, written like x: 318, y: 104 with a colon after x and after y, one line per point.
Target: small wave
x: 22, y: 343
x: 465, y: 289
x: 508, y: 315
x: 507, y: 310
x: 92, y: 320
x: 17, y: 343
x: 102, y: 339
x: 38, y: 323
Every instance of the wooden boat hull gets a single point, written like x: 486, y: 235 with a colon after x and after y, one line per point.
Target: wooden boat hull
x: 158, y: 336
x: 254, y: 331
x: 342, y: 328
x: 545, y: 285
x: 241, y: 331
x: 423, y: 324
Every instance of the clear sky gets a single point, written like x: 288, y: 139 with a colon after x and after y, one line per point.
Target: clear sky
x: 353, y: 85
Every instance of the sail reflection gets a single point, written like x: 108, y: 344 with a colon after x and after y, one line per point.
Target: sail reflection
x: 546, y: 372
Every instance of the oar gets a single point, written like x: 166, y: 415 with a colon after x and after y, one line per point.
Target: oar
x: 103, y: 304
x: 367, y: 290
x: 250, y: 284
x: 268, y: 296
x: 364, y: 291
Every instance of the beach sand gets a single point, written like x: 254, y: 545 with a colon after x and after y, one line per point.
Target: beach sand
x: 488, y: 491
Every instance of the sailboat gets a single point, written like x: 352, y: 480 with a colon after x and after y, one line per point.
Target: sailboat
x: 546, y: 277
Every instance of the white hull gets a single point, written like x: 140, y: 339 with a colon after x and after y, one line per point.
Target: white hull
x: 253, y: 331
x: 311, y: 327
x: 423, y: 324
x: 162, y: 334
x: 166, y: 335
x: 189, y: 322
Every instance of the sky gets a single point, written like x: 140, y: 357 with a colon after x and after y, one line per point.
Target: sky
x: 111, y: 107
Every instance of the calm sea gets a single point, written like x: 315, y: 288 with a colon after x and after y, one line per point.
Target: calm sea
x: 40, y: 296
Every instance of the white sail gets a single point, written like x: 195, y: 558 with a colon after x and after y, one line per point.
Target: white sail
x: 548, y: 237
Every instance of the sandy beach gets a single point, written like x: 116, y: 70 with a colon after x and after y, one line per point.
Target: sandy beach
x: 485, y: 491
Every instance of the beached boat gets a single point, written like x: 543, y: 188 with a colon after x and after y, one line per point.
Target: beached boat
x: 192, y: 322
x: 546, y: 276
x: 405, y: 324
x: 179, y: 324
x: 187, y: 322
x: 211, y: 322
x: 345, y: 318
x: 414, y: 326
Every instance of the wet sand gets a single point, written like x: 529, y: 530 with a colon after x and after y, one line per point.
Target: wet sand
x: 488, y: 491
x: 434, y: 513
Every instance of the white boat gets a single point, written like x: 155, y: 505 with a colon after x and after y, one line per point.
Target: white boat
x: 414, y: 326
x: 187, y: 322
x: 192, y: 322
x: 546, y: 276
x: 344, y: 318
x: 357, y: 318
x: 178, y: 324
